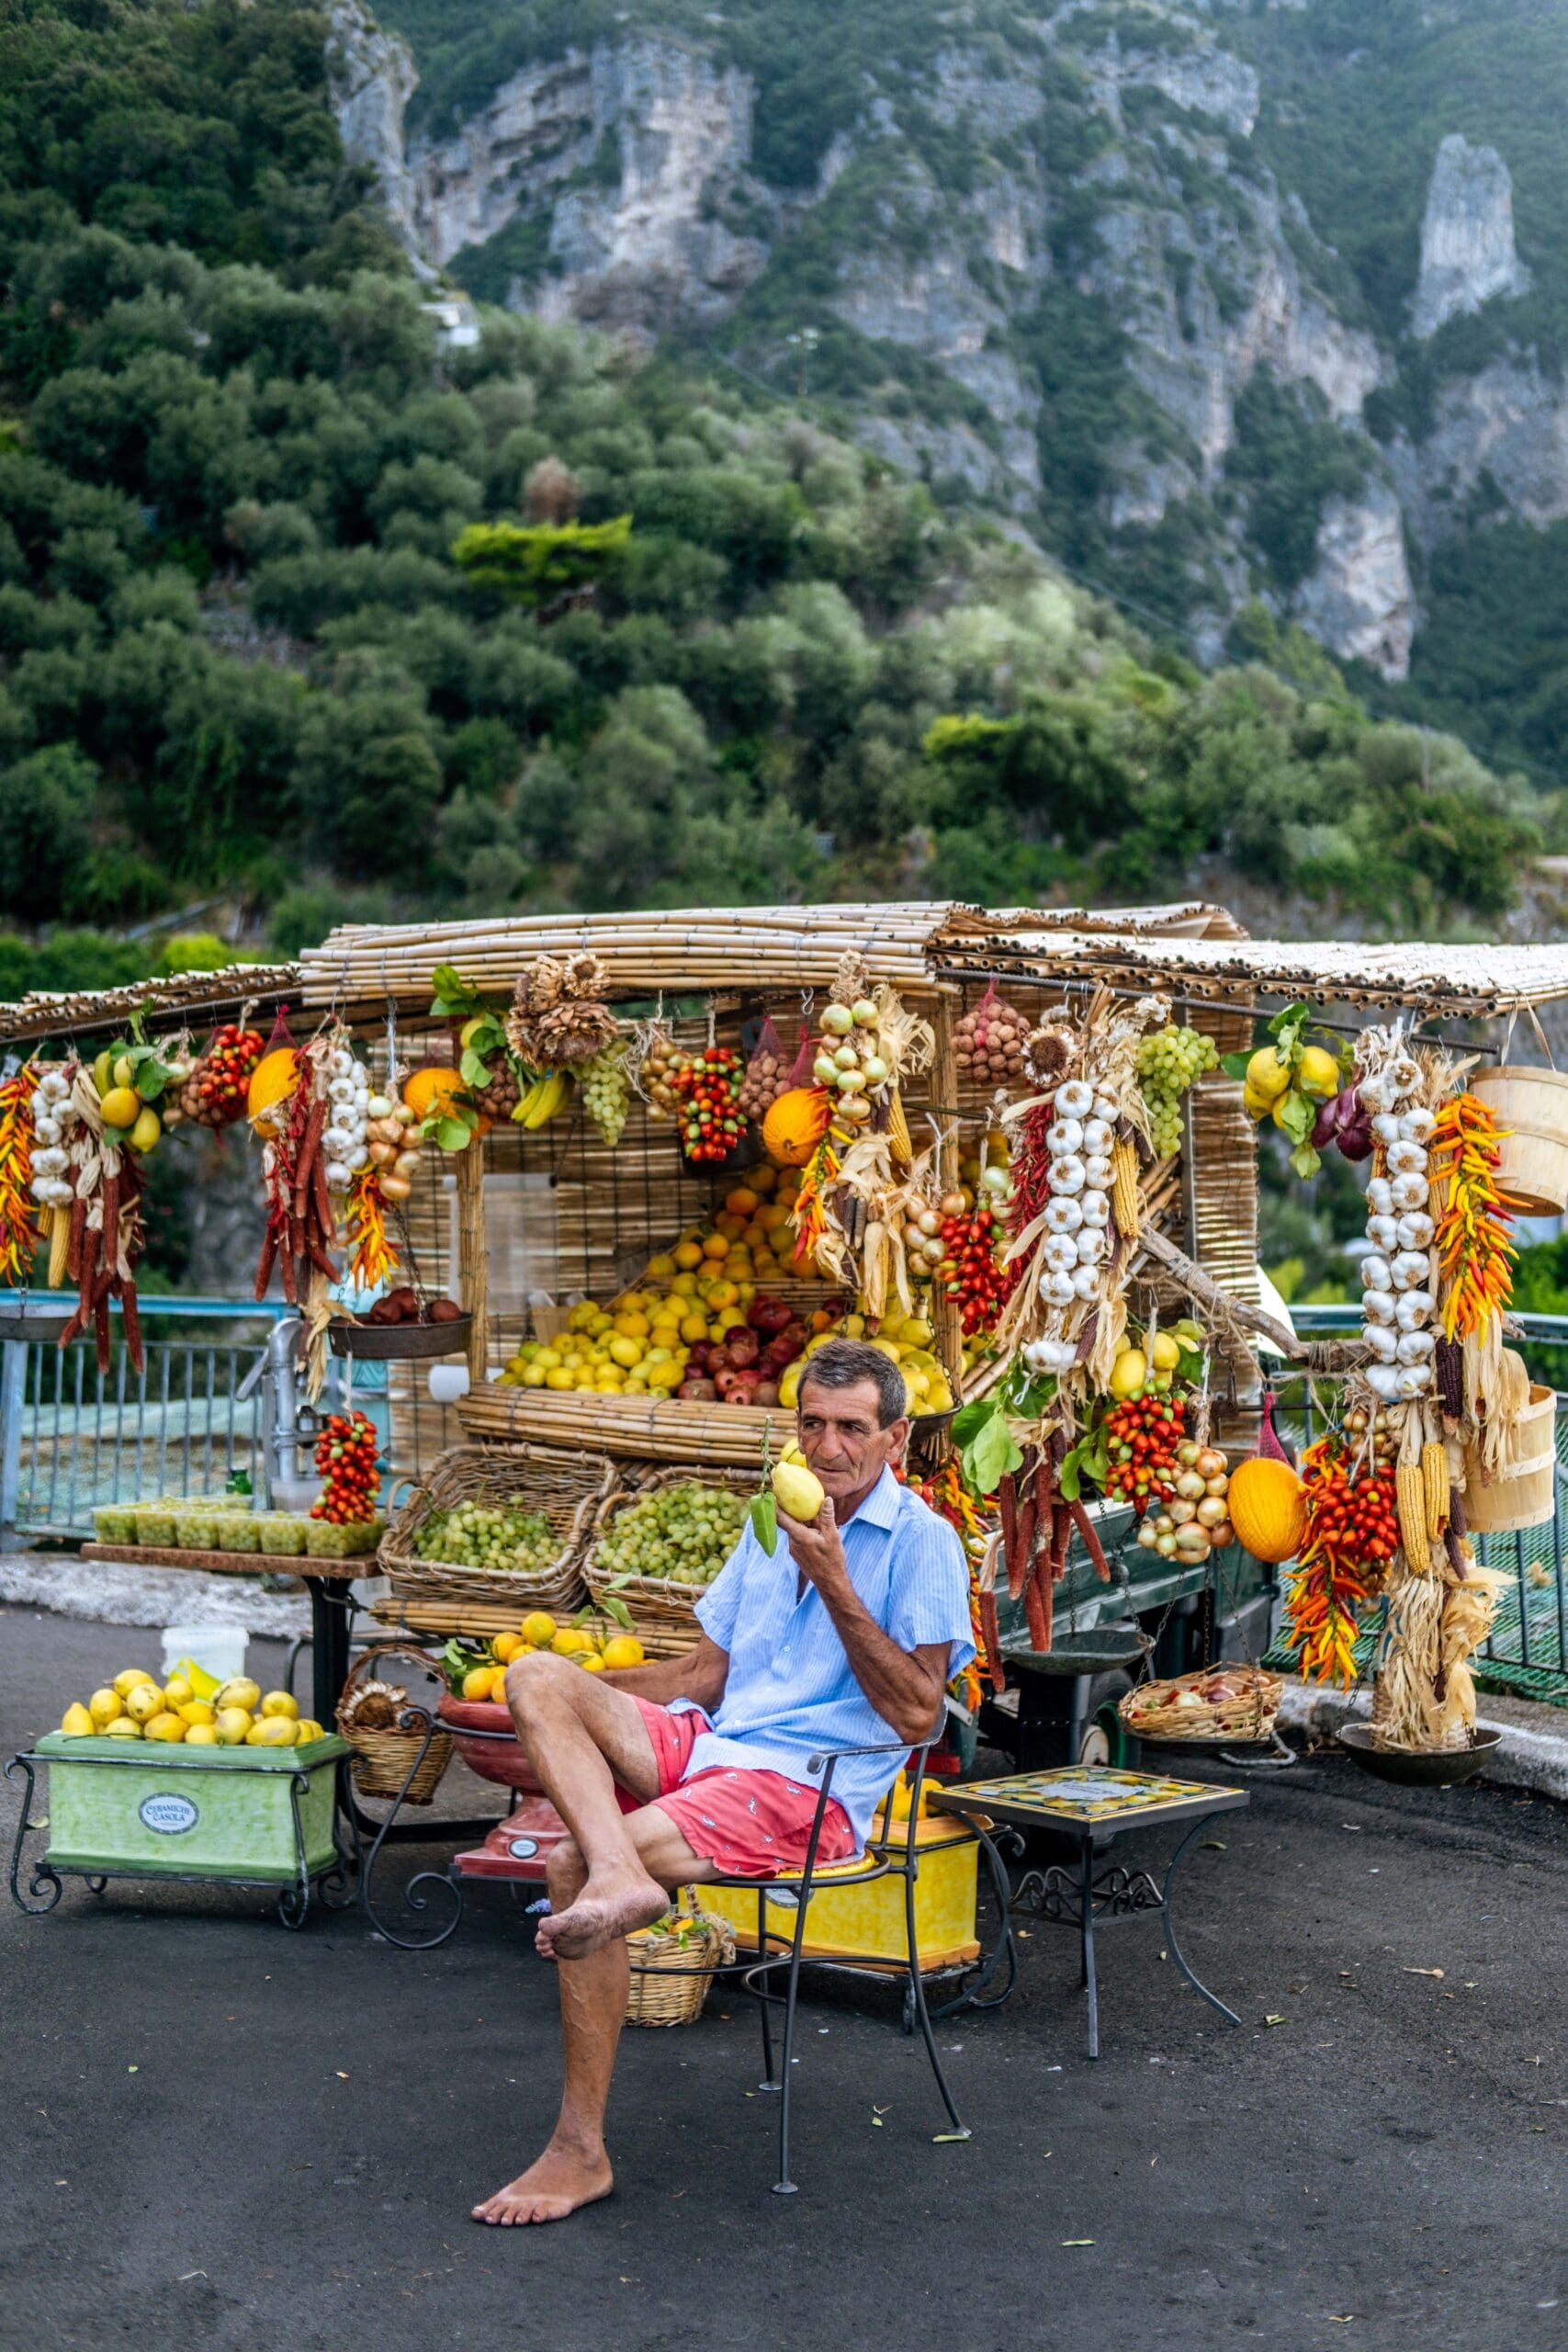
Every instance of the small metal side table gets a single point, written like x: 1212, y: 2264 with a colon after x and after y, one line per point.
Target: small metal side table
x: 1094, y: 1805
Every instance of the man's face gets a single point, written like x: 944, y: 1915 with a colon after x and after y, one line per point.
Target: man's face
x: 840, y: 1438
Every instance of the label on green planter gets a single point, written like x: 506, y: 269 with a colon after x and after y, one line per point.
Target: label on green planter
x: 170, y: 1815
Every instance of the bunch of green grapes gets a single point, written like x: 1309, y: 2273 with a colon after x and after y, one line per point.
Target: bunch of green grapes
x: 606, y: 1090
x: 1170, y: 1061
x: 491, y: 1536
x: 686, y: 1532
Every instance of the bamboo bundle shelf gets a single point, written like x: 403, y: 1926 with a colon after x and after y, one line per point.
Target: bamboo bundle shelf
x: 480, y: 1620
x: 623, y: 1427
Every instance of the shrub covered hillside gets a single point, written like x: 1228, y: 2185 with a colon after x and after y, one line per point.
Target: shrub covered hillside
x: 298, y: 606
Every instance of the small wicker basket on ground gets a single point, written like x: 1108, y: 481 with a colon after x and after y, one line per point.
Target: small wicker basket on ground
x: 672, y: 1966
x: 1179, y: 1709
x: 568, y: 1487
x: 367, y: 1716
x: 664, y: 1612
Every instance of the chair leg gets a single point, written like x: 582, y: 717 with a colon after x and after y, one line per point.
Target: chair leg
x: 765, y: 1999
x: 783, y: 2185
x: 917, y: 1991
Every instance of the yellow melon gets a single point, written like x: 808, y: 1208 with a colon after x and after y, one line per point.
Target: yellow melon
x: 272, y: 1082
x: 1268, y: 1508
x: 795, y: 1124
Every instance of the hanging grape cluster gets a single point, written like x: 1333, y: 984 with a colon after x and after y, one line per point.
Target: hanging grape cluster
x: 606, y: 1090
x: 1170, y: 1061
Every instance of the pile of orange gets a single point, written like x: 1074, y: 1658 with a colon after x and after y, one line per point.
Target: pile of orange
x: 594, y: 1648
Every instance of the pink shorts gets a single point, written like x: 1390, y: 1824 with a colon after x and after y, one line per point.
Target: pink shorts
x: 748, y: 1824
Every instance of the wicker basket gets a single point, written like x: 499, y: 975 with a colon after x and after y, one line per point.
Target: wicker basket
x: 1158, y: 1711
x: 569, y: 1487
x: 670, y: 1977
x: 662, y: 1609
x: 382, y: 1756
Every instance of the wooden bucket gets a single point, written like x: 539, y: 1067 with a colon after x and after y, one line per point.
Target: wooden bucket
x: 1533, y: 1105
x: 1521, y: 1495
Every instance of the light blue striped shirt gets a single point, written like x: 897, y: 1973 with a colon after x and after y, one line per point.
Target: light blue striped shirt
x: 791, y: 1692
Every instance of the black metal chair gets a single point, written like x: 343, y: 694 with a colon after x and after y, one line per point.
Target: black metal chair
x: 887, y: 1856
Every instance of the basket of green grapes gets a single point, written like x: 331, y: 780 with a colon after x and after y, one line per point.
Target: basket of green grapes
x: 498, y: 1522
x: 658, y: 1545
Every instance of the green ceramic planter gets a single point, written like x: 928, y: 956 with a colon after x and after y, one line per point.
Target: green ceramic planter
x: 176, y: 1812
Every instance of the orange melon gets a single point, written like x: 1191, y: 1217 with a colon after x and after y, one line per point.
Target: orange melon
x: 795, y: 1124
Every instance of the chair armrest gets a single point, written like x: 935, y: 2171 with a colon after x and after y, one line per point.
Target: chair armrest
x: 874, y: 1747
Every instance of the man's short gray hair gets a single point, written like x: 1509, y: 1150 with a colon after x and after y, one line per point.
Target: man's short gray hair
x: 844, y: 1363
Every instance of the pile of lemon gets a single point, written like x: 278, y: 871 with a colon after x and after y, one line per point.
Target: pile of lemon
x: 904, y: 1340
x: 593, y: 1651
x: 192, y: 1709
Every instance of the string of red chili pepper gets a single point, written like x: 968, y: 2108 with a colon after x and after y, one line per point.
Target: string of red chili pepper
x: 1141, y: 1434
x: 1352, y: 1534
x: 1029, y: 1169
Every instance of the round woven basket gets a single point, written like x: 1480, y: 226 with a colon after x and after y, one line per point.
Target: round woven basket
x: 670, y: 1973
x: 659, y: 1604
x: 1159, y: 1711
x: 568, y: 1487
x: 394, y: 1342
x: 382, y: 1756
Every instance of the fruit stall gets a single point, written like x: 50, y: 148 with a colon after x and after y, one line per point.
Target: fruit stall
x: 593, y: 1190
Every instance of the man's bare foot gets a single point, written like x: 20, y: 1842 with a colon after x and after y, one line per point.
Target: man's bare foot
x: 608, y: 1908
x: 556, y: 2185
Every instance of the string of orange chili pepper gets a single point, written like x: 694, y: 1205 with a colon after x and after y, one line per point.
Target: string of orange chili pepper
x: 18, y: 1218
x: 373, y: 1256
x: 1352, y: 1534
x: 947, y: 1495
x: 1474, y: 1234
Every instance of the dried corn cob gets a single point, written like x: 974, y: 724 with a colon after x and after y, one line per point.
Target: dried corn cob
x: 1410, y: 1489
x: 1449, y: 1364
x: 1124, y: 1189
x: 1435, y: 1476
x: 899, y: 1141
x: 58, y: 1246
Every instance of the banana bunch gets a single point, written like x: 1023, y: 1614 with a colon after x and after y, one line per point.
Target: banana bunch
x: 545, y: 1099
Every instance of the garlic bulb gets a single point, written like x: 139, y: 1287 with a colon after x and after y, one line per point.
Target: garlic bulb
x: 1385, y: 1126
x: 1098, y: 1137
x: 46, y: 1130
x: 1380, y: 1195
x: 1067, y: 1174
x: 54, y: 1086
x: 342, y: 1063
x: 1060, y: 1254
x: 1377, y: 1307
x: 1406, y: 1159
x: 1064, y: 1136
x: 1412, y: 1308
x: 337, y: 1176
x: 1384, y: 1232
x: 1413, y: 1378
x: 1404, y: 1075
x: 1057, y: 1288
x: 1376, y: 1273
x: 1090, y: 1244
x: 1409, y: 1191
x: 1373, y: 1092
x: 340, y: 1089
x: 1097, y: 1208
x: 1416, y: 1125
x: 1074, y: 1099
x: 51, y: 1161
x: 1384, y: 1380
x: 1105, y: 1108
x: 1409, y: 1270
x: 1050, y: 1355
x: 337, y: 1143
x: 1382, y: 1339
x: 1086, y: 1282
x: 1414, y: 1346
x: 1062, y: 1214
x: 1416, y: 1230
x: 1099, y: 1173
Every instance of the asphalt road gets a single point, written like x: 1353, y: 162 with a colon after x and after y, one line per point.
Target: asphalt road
x: 220, y: 2133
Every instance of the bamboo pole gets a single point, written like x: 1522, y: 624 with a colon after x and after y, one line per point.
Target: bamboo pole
x: 472, y: 1261
x: 947, y: 1322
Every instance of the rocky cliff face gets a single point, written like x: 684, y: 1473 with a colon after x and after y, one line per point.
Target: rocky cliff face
x: 997, y: 242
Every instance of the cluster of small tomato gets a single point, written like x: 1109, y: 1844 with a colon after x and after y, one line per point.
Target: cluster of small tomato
x: 1349, y: 1520
x: 346, y: 1455
x: 1141, y: 1434
x: 709, y: 1088
x: 970, y: 1272
x: 220, y: 1083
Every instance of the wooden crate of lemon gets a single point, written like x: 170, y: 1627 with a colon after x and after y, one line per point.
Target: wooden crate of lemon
x: 154, y: 1781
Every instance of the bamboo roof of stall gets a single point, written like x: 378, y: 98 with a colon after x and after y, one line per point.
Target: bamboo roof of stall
x: 1191, y: 949
x: 196, y: 997
x: 703, y: 948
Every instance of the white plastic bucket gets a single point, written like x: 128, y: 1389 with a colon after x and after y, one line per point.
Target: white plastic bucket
x: 221, y: 1649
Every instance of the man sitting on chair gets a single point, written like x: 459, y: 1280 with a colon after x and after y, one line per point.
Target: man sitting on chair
x: 668, y: 1773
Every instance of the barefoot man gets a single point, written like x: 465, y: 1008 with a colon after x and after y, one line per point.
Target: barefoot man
x: 665, y: 1773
